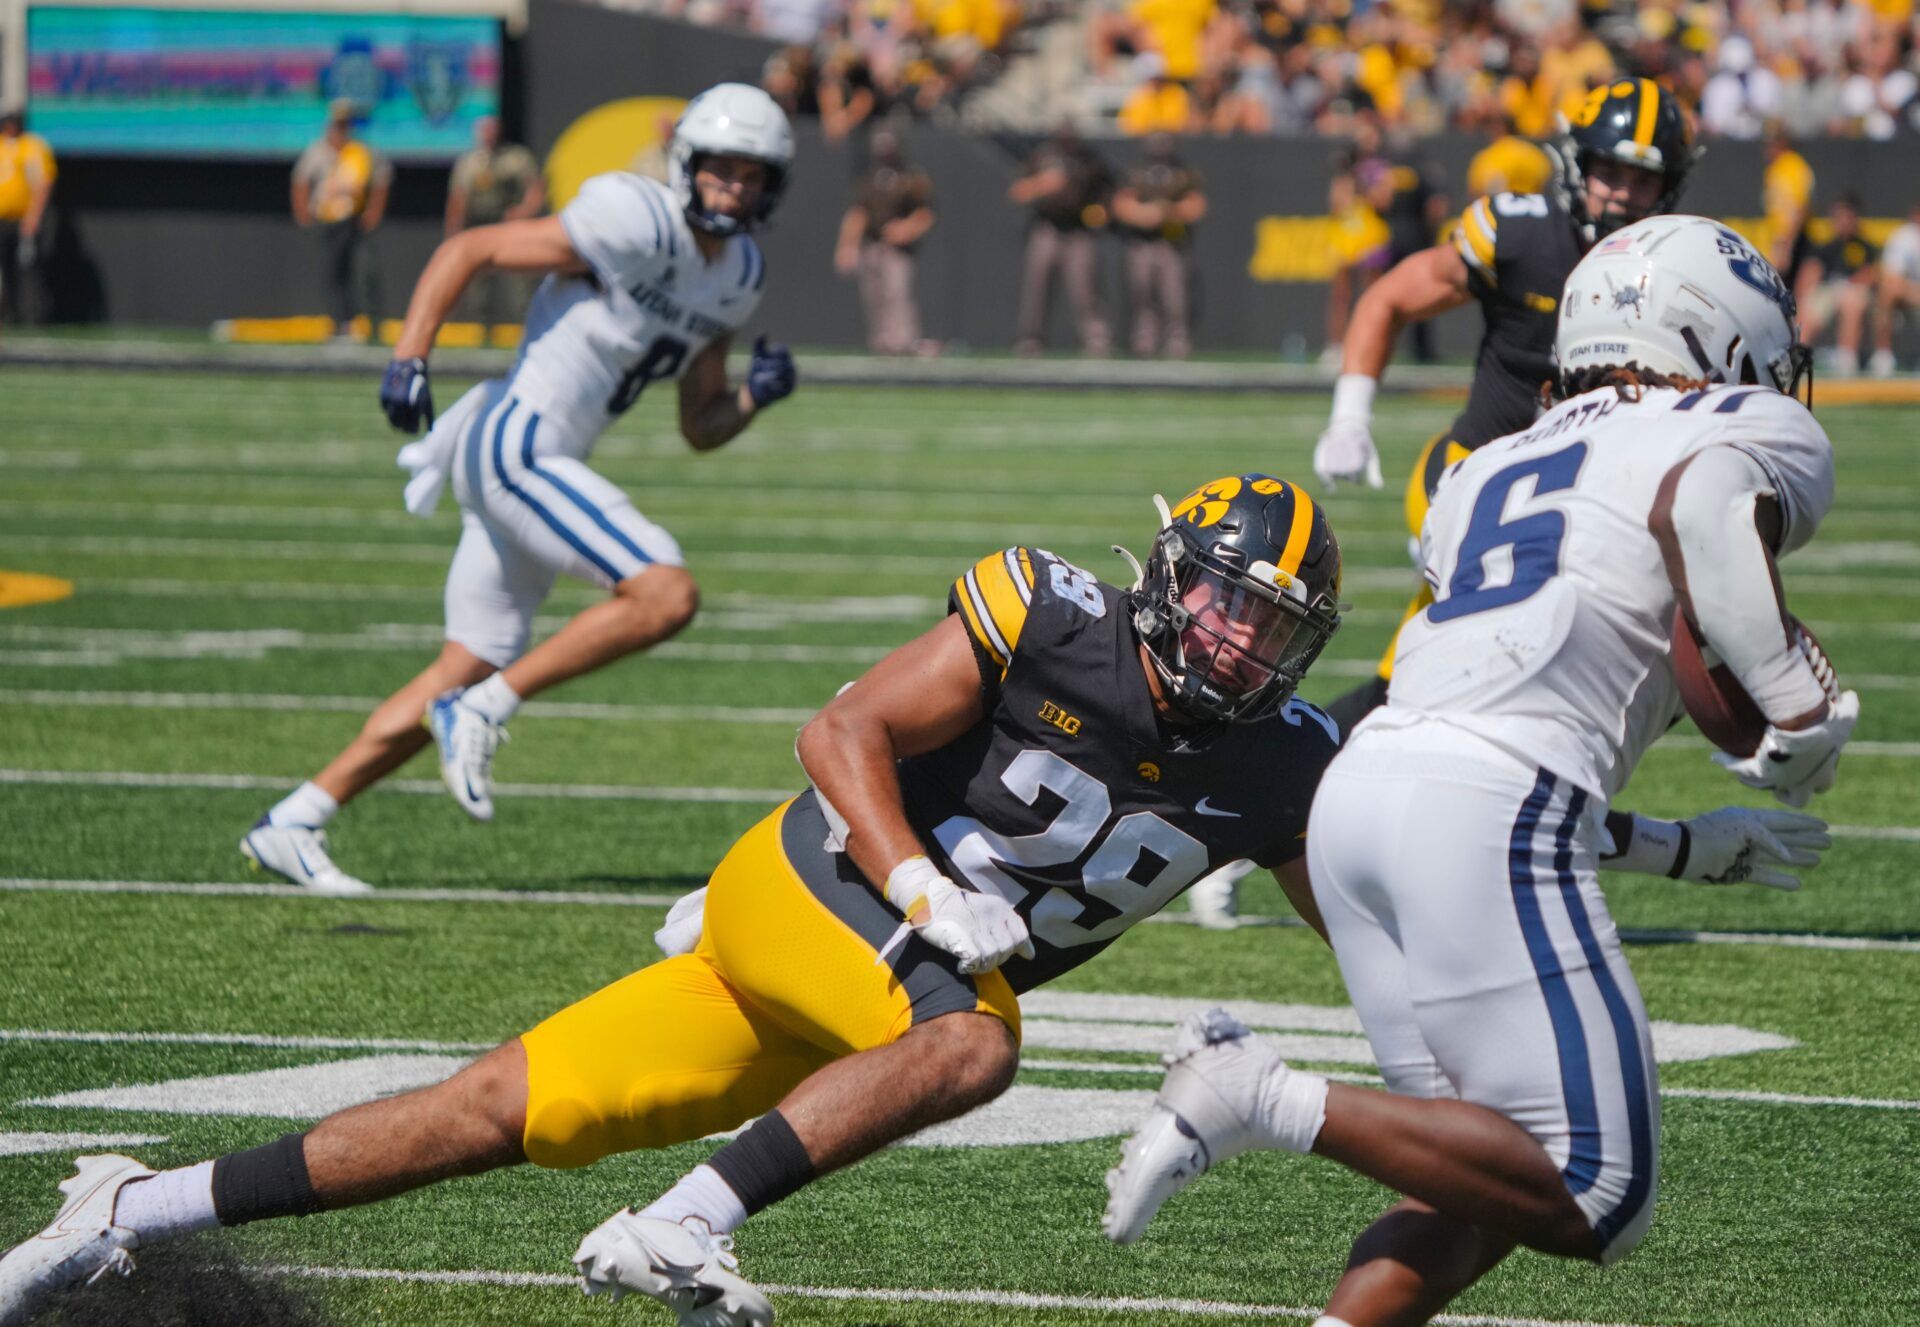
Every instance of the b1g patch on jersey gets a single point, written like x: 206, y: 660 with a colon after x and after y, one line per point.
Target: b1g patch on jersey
x: 1059, y: 718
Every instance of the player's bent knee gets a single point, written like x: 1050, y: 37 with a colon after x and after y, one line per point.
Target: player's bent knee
x: 487, y: 1104
x: 977, y: 1052
x: 665, y: 600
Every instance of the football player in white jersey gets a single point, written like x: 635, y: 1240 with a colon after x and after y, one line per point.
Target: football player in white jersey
x: 1455, y: 842
x: 644, y: 282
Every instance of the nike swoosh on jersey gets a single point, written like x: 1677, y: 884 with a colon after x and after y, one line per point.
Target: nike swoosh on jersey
x: 1205, y: 810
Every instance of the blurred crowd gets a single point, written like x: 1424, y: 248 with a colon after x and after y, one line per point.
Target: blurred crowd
x: 1843, y: 67
x: 849, y: 61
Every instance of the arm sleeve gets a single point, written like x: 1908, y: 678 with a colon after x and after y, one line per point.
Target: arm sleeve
x: 993, y: 598
x: 618, y: 224
x: 1782, y: 437
x: 1729, y: 579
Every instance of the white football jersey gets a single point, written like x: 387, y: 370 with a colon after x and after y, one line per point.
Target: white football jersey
x: 593, y: 343
x: 1549, y: 630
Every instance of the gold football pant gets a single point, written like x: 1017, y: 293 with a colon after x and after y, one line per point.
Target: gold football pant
x: 786, y: 978
x: 1440, y: 452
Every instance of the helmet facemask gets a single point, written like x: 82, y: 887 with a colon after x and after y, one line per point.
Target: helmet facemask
x: 703, y: 218
x: 1229, y: 642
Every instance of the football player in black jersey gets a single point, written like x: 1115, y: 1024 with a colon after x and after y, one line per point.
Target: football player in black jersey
x: 1625, y: 156
x: 992, y: 804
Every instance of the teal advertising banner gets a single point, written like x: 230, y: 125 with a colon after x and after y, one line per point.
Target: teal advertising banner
x: 199, y: 83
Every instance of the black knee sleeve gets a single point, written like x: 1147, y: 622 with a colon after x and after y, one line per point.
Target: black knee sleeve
x: 264, y: 1182
x: 765, y: 1163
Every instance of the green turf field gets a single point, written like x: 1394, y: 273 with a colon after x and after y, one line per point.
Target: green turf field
x: 247, y: 586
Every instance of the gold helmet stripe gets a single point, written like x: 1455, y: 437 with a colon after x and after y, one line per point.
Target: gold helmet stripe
x: 1301, y: 532
x: 1649, y: 112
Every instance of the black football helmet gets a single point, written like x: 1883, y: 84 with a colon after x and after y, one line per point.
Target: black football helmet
x: 1634, y: 121
x: 1239, y: 596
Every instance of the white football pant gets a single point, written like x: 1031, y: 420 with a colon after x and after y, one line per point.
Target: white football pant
x: 1459, y: 890
x: 530, y: 512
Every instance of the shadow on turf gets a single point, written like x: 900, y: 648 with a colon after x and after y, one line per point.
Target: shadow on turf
x: 184, y: 1285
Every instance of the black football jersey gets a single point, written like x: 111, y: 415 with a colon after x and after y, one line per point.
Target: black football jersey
x: 1070, y: 798
x: 1519, y: 249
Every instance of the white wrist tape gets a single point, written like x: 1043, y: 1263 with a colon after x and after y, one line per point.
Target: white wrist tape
x: 1353, y: 398
x: 1656, y: 847
x: 909, y: 883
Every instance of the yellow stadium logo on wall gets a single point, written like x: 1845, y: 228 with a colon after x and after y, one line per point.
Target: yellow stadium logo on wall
x: 622, y: 135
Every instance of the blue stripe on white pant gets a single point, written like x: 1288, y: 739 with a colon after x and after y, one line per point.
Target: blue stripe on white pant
x: 1616, y: 1197
x: 554, y: 506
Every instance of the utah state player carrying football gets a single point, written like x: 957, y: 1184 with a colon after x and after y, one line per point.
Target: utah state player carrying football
x: 1456, y: 841
x: 992, y: 804
x: 1625, y: 157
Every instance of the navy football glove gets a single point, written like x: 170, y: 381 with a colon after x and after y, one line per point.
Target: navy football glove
x: 405, y: 396
x: 771, y: 376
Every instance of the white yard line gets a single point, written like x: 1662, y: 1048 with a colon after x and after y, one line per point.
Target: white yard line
x: 998, y: 1299
x: 1760, y: 939
x: 231, y: 700
x: 26, y: 884
x: 262, y: 889
x: 594, y: 792
x: 273, y: 1041
x: 109, y: 646
x: 769, y: 563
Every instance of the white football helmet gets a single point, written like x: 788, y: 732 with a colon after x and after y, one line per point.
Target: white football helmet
x: 730, y: 120
x: 1683, y: 296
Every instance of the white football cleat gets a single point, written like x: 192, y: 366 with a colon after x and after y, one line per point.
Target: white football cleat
x: 299, y: 852
x: 683, y: 1265
x: 467, y: 740
x: 1206, y: 1112
x: 80, y: 1246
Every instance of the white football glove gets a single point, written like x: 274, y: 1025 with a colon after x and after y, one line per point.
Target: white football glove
x: 1345, y: 453
x: 680, y: 933
x: 1794, y: 765
x: 1735, y: 846
x: 981, y: 930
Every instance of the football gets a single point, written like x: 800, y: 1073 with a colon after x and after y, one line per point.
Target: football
x: 1716, y: 702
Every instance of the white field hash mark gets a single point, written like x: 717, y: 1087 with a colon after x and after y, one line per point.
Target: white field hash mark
x: 609, y: 898
x: 269, y: 1041
x: 1003, y: 1299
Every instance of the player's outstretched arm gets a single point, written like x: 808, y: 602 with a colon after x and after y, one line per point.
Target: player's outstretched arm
x: 537, y: 245
x: 1421, y: 286
x: 540, y: 245
x: 917, y: 699
x: 922, y: 696
x: 714, y: 411
x: 1715, y: 519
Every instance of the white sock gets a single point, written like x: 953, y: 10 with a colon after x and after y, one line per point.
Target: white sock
x: 702, y: 1193
x: 1293, y: 1106
x: 1328, y: 1320
x: 308, y: 805
x: 493, y: 698
x: 170, y: 1204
